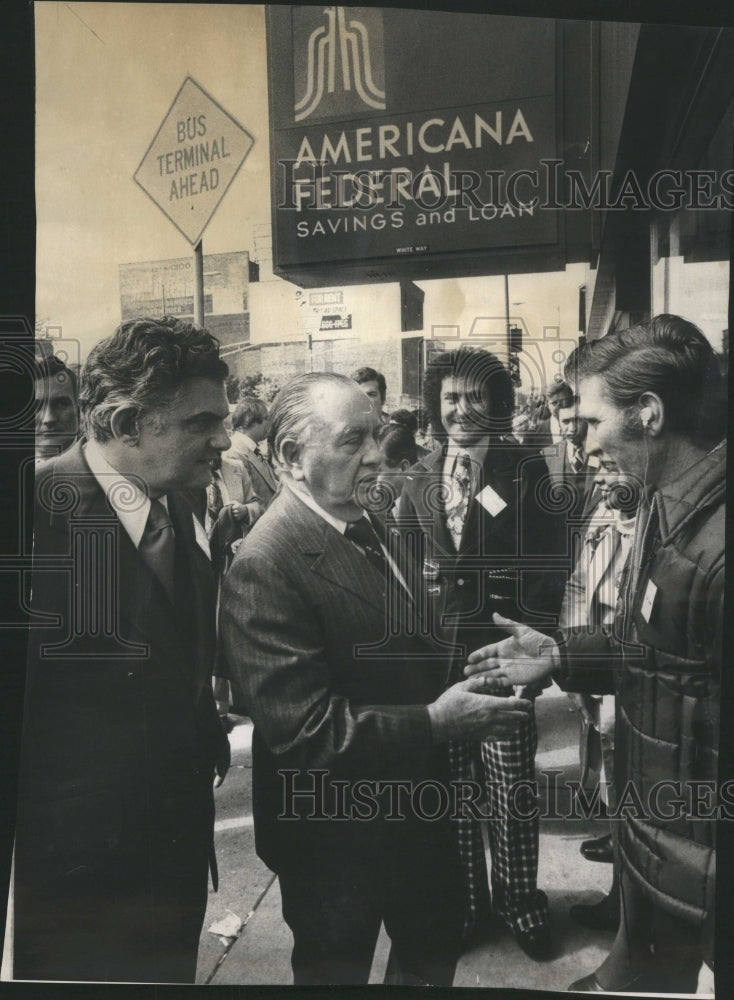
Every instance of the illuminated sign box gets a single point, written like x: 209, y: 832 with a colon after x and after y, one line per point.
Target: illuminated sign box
x: 385, y: 167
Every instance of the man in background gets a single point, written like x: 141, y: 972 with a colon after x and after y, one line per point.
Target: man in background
x: 568, y: 463
x: 249, y: 431
x: 57, y: 409
x: 373, y: 385
x: 487, y: 540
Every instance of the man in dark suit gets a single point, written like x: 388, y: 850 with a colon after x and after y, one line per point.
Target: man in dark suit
x: 121, y: 737
x: 346, y: 698
x: 568, y: 464
x: 548, y: 429
x: 249, y: 430
x: 490, y: 540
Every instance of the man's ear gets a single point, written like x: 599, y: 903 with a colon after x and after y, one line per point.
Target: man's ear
x: 651, y: 413
x: 125, y: 424
x: 290, y: 455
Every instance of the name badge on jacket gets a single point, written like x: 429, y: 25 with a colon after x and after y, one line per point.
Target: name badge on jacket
x: 491, y: 501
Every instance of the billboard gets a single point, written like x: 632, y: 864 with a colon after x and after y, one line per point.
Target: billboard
x: 381, y: 164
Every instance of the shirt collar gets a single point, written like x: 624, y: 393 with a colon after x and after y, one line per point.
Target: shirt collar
x: 245, y: 439
x: 335, y: 522
x: 477, y: 453
x: 124, y: 496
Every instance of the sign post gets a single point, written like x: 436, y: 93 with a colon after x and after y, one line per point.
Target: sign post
x: 198, y: 285
x: 189, y: 165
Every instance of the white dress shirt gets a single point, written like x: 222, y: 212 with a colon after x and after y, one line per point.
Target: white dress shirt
x: 128, y: 500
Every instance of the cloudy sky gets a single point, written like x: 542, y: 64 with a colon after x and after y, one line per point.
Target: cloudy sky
x: 106, y: 74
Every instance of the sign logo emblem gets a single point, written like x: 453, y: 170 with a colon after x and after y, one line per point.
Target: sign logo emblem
x: 352, y: 39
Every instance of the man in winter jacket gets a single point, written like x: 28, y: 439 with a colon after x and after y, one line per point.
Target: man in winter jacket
x: 652, y: 396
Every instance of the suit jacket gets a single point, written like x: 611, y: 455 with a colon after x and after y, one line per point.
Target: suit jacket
x: 331, y: 681
x: 228, y: 531
x: 513, y: 561
x: 580, y: 483
x: 542, y: 436
x: 237, y: 480
x: 120, y: 737
x: 263, y: 479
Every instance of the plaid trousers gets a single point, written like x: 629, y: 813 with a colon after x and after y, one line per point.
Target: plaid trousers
x: 513, y: 841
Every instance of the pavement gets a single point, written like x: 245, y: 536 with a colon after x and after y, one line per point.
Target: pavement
x: 255, y: 950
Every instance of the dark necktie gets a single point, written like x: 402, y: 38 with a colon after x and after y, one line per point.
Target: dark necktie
x: 363, y: 534
x: 458, y: 502
x: 157, y: 546
x: 266, y: 469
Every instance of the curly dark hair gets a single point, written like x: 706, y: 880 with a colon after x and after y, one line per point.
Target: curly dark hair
x: 484, y: 369
x: 668, y: 356
x: 405, y: 418
x: 140, y: 364
x: 397, y: 443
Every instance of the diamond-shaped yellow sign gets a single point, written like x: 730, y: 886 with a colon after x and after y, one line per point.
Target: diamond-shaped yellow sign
x: 193, y: 159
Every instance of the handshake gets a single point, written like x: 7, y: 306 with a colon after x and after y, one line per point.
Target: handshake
x: 477, y: 707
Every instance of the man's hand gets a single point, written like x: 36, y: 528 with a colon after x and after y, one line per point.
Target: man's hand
x: 524, y: 657
x: 466, y: 711
x: 240, y: 512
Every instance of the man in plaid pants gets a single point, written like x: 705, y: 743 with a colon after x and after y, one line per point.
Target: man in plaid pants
x: 493, y: 535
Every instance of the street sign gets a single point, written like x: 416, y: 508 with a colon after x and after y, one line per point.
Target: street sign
x: 193, y: 159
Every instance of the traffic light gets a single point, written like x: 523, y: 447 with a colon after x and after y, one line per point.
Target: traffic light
x: 514, y: 366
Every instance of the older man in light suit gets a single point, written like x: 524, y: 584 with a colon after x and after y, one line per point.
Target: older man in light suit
x: 345, y: 695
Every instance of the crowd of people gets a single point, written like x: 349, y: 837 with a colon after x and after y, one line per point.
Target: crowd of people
x: 386, y: 596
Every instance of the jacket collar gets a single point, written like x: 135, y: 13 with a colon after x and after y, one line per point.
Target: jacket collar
x: 701, y: 486
x: 331, y: 555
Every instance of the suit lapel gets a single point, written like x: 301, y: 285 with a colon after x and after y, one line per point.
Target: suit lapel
x: 499, y: 473
x: 232, y: 472
x: 425, y: 486
x: 331, y: 556
x: 145, y: 612
x: 195, y: 590
x: 261, y: 469
x: 554, y: 456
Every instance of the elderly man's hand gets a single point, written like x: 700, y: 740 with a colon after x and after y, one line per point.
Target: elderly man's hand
x: 467, y: 710
x: 524, y: 657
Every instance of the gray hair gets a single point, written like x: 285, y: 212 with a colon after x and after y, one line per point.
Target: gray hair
x: 292, y: 412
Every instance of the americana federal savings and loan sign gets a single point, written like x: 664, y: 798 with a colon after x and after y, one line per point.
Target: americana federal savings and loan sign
x: 407, y: 134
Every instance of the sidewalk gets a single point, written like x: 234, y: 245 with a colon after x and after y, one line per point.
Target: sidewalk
x: 260, y: 953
